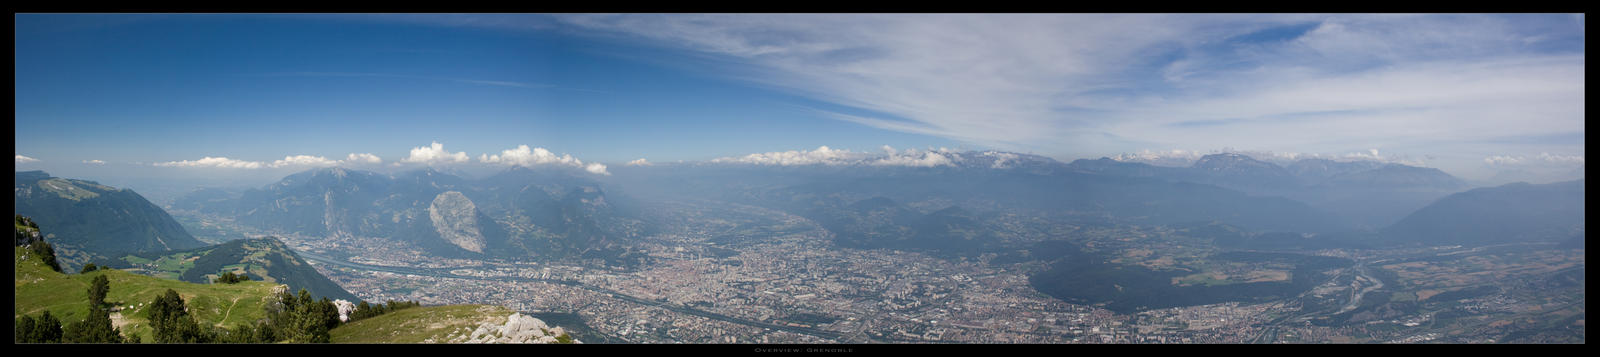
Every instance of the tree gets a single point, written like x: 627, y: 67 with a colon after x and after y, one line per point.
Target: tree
x: 22, y: 330
x: 96, y: 328
x: 98, y: 290
x: 47, y: 328
x: 171, y: 321
x: 230, y: 278
x: 88, y: 268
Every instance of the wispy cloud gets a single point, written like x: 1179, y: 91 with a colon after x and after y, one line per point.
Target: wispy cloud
x: 217, y: 162
x: 1106, y: 83
x: 1541, y: 159
x: 24, y: 159
x: 94, y: 162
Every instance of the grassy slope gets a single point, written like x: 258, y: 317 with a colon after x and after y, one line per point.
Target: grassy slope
x: 420, y: 324
x: 66, y: 296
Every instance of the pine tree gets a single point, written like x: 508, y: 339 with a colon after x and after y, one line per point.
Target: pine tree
x: 96, y: 328
x: 22, y: 330
x: 172, y: 323
x: 47, y: 329
x: 98, y: 290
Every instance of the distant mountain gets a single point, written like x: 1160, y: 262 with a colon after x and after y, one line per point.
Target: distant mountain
x: 863, y: 207
x: 1517, y: 212
x: 99, y: 219
x: 1396, y: 177
x: 1240, y: 171
x: 1367, y: 194
x: 519, y: 212
x: 263, y: 259
x: 1107, y: 166
x: 1315, y: 171
x: 208, y: 199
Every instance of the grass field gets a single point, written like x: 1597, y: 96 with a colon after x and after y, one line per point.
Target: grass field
x: 66, y: 296
x: 430, y: 324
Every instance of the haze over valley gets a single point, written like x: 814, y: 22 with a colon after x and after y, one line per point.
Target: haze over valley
x: 801, y: 179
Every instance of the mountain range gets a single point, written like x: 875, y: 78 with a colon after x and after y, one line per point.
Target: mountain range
x: 1363, y: 194
x: 518, y: 213
x: 87, y: 219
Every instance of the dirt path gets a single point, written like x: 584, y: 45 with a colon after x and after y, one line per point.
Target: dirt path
x: 229, y: 312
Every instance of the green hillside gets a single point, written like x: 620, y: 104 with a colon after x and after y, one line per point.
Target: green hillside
x: 84, y: 219
x: 266, y: 259
x: 39, y: 289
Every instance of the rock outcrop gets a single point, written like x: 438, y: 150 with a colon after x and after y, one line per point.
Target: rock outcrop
x: 518, y: 328
x: 456, y: 219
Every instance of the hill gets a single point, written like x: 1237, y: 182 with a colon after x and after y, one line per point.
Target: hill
x: 38, y: 289
x: 265, y: 259
x: 96, y: 219
x: 1517, y: 212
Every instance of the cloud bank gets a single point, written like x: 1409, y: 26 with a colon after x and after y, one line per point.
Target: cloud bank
x: 524, y: 156
x: 287, y: 161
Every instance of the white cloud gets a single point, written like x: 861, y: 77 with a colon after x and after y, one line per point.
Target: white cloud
x: 303, y: 160
x: 94, y: 162
x: 24, y: 159
x: 435, y: 154
x: 522, y: 155
x: 822, y: 155
x: 596, y: 168
x: 640, y: 162
x: 220, y: 162
x: 916, y: 158
x: 1502, y: 160
x: 1543, y: 158
x: 363, y: 158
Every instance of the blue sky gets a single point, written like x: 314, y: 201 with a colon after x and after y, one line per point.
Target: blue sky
x: 158, y: 94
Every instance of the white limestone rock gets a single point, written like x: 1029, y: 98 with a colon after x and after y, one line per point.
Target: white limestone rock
x: 456, y: 219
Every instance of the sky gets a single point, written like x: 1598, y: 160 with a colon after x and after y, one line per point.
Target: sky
x: 261, y: 96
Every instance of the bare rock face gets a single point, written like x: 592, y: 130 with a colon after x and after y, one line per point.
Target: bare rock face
x: 456, y: 219
x: 518, y: 328
x: 345, y: 308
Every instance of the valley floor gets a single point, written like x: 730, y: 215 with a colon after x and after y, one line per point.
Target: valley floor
x: 768, y: 277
